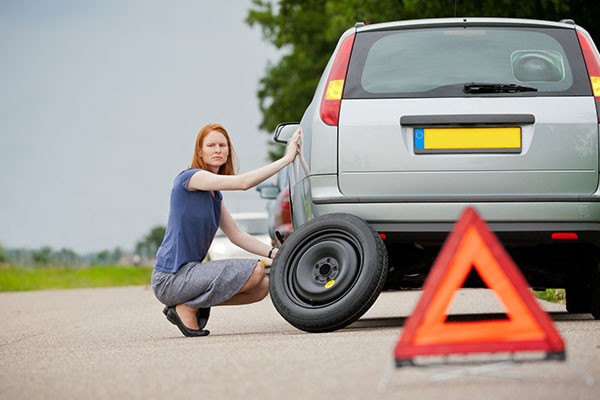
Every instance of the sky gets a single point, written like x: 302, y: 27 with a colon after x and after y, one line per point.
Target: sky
x: 100, y: 104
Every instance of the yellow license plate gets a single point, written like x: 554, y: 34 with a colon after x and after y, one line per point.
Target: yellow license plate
x: 467, y: 140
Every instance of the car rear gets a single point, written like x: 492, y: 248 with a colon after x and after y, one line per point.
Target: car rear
x: 415, y: 120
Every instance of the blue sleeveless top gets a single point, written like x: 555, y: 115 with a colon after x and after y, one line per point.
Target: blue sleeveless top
x: 194, y: 217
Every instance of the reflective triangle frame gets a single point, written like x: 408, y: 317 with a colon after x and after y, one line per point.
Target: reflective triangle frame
x: 471, y: 245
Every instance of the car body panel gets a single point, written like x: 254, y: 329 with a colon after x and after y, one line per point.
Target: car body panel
x: 369, y: 162
x: 535, y: 173
x: 377, y: 154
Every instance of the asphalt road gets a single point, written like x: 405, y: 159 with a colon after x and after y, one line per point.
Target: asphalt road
x: 116, y: 344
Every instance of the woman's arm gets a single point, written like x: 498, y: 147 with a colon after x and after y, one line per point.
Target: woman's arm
x: 241, y: 238
x: 204, y: 180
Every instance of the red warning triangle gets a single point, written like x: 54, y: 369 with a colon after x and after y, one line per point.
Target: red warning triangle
x: 472, y: 245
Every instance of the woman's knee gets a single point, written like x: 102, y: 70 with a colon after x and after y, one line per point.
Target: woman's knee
x: 261, y: 285
x: 258, y: 274
x: 259, y: 269
x: 256, y: 277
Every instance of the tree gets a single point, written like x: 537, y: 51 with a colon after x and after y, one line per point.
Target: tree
x: 308, y: 30
x: 102, y: 258
x: 3, y: 258
x: 148, y: 246
x: 116, y: 255
x: 67, y: 257
x: 300, y: 28
x: 42, y: 256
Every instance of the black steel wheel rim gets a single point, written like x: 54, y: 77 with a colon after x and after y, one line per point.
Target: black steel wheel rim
x: 323, y: 268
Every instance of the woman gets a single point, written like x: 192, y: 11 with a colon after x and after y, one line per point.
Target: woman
x: 180, y: 280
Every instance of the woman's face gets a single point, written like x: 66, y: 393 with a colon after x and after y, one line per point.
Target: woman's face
x: 214, y: 150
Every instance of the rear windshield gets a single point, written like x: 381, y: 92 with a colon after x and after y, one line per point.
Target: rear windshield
x: 439, y: 62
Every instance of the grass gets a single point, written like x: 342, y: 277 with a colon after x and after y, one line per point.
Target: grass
x: 58, y: 277
x: 552, y: 295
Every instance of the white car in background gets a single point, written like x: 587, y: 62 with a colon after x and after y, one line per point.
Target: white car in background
x: 254, y: 223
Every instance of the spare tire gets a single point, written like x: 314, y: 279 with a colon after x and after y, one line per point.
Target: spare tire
x: 328, y: 273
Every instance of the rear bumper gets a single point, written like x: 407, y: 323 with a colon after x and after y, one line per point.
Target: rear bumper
x: 510, y: 233
x: 523, y: 222
x: 526, y: 219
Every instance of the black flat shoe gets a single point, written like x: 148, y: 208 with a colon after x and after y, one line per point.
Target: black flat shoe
x: 174, y: 318
x: 166, y: 312
x: 202, y: 316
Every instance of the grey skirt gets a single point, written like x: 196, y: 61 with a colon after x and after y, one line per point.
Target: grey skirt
x: 202, y: 285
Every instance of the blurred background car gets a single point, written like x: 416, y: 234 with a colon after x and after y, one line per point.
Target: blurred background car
x: 278, y: 207
x: 254, y: 223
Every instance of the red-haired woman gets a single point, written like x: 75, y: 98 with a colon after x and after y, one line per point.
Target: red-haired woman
x: 180, y: 280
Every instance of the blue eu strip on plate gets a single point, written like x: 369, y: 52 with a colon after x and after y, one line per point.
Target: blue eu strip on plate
x: 419, y: 137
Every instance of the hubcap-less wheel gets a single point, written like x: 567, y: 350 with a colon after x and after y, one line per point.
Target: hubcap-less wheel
x: 328, y: 273
x: 323, y: 269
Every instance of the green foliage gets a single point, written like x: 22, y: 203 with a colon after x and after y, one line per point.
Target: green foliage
x: 105, y: 257
x: 42, y: 255
x: 2, y: 254
x: 308, y: 30
x: 303, y: 30
x: 67, y: 257
x: 46, y: 256
x: 55, y: 277
x: 148, y: 246
x: 552, y: 295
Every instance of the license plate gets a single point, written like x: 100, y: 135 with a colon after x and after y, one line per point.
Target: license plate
x: 467, y: 140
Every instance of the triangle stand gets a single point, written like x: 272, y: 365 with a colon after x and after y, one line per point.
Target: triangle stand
x: 528, y: 328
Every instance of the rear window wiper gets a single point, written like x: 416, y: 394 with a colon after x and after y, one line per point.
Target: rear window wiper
x: 475, y: 87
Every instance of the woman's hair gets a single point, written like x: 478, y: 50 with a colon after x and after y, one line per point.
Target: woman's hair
x: 230, y: 165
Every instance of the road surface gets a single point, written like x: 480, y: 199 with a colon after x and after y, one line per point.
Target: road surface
x: 115, y: 343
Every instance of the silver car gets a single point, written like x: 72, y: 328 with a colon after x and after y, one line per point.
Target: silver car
x: 412, y: 122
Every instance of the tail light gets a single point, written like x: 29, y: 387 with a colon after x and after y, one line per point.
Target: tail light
x: 592, y: 62
x: 286, y: 216
x: 332, y: 95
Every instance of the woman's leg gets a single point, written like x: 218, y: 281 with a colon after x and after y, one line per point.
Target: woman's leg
x: 255, y: 289
x: 187, y: 315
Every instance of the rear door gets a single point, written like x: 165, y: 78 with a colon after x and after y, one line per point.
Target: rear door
x: 475, y: 110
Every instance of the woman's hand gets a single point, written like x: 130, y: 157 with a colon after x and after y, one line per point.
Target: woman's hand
x: 294, y: 145
x: 205, y: 180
